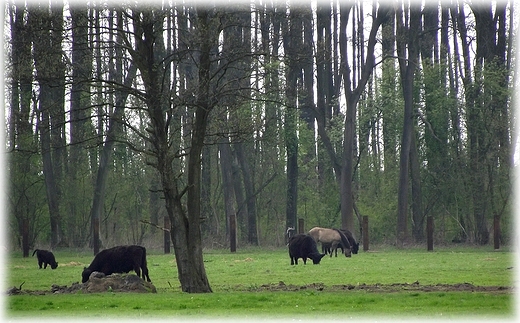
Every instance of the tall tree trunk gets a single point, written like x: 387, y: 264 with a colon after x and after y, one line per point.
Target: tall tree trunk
x: 345, y: 183
x: 80, y: 106
x: 436, y: 118
x: 209, y: 228
x: 114, y: 131
x: 489, y: 118
x: 459, y: 17
x: 199, y: 282
x: 50, y: 75
x: 417, y: 207
x: 292, y: 43
x: 408, y: 52
x: 21, y: 137
x: 185, y: 224
x: 226, y: 160
x: 325, y: 90
x: 250, y: 200
x: 388, y: 92
x: 353, y: 92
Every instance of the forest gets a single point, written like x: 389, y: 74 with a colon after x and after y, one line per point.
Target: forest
x: 192, y: 125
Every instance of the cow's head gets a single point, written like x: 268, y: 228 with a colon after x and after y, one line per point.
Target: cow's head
x: 54, y: 265
x: 316, y: 257
x: 85, y: 275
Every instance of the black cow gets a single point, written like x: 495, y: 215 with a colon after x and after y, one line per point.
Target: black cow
x: 45, y: 258
x: 303, y: 246
x: 120, y: 259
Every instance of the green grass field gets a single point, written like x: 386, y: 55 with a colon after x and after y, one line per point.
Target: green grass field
x: 239, y: 283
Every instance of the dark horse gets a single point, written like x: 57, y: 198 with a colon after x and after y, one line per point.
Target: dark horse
x: 332, y: 236
x: 326, y: 247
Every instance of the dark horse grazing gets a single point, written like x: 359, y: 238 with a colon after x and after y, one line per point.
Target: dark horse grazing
x: 303, y: 246
x: 326, y: 247
x: 351, y: 240
x: 332, y: 236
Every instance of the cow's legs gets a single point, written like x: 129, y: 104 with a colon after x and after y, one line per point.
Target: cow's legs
x: 145, y: 274
x: 137, y: 270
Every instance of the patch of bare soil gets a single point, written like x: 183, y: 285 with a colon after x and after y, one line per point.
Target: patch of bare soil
x: 97, y: 283
x: 132, y: 283
x: 397, y: 287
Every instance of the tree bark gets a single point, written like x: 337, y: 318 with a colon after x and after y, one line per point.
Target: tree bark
x: 352, y: 95
x: 197, y: 280
x: 50, y: 75
x: 80, y: 122
x: 21, y: 137
x: 114, y: 130
x: 250, y: 199
x: 229, y: 191
x: 292, y: 42
x: 408, y: 52
x: 417, y: 207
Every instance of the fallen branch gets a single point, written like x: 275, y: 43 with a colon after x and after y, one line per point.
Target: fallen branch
x: 15, y: 291
x: 154, y: 225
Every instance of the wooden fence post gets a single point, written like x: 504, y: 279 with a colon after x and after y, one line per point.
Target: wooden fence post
x: 496, y: 231
x: 233, y: 233
x: 364, y: 228
x: 429, y: 232
x: 25, y: 237
x: 167, y: 234
x: 301, y: 226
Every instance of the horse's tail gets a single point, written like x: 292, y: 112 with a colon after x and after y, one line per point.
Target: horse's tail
x: 34, y: 251
x: 344, y: 239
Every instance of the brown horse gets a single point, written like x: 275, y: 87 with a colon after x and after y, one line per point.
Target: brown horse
x: 332, y: 236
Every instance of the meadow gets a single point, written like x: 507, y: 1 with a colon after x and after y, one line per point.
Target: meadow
x: 260, y: 283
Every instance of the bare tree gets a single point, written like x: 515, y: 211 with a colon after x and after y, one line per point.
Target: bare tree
x: 21, y: 137
x: 47, y: 27
x: 353, y: 89
x: 408, y: 53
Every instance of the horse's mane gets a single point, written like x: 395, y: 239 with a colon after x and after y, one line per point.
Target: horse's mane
x: 344, y: 239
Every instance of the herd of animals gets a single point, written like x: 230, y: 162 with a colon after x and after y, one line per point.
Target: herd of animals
x: 305, y: 245
x: 123, y: 259
x: 120, y: 259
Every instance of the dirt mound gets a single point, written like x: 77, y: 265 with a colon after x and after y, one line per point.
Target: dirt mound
x: 397, y: 287
x: 97, y: 283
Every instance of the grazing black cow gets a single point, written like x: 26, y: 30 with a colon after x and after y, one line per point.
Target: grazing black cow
x: 120, y: 259
x: 303, y: 246
x: 45, y: 258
